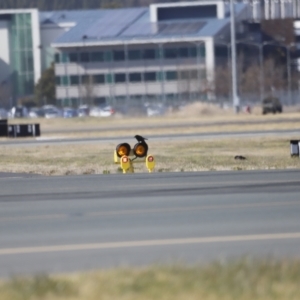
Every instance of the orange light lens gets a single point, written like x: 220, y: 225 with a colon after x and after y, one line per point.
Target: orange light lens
x: 122, y: 151
x: 140, y: 150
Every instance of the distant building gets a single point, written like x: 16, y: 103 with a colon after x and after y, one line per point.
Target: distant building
x: 164, y: 52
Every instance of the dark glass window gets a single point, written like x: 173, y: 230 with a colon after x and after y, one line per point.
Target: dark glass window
x: 193, y: 52
x: 183, y: 52
x: 84, y: 57
x: 135, y: 77
x: 108, y: 78
x: 119, y: 55
x: 160, y: 76
x: 99, y: 79
x: 57, y: 80
x: 171, y: 75
x: 134, y: 54
x: 64, y: 57
x: 74, y: 80
x: 73, y: 57
x: 170, y: 53
x: 87, y: 79
x: 57, y: 58
x: 97, y: 56
x: 65, y: 80
x: 107, y: 56
x: 150, y: 76
x: 120, y: 77
x: 149, y: 54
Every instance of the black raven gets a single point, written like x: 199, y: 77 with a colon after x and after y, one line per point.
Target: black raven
x: 140, y: 139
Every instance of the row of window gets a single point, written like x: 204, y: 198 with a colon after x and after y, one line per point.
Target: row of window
x: 120, y: 55
x: 122, y: 77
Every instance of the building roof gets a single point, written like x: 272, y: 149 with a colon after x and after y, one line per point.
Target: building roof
x: 107, y: 26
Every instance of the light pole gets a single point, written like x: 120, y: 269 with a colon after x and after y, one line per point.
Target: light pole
x: 236, y: 100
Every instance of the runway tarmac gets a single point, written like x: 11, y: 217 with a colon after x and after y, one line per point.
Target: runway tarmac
x: 77, y: 223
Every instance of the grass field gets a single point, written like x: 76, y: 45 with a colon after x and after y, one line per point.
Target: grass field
x: 176, y: 156
x: 245, y: 279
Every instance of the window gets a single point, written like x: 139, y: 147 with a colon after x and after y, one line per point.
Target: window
x: 57, y: 80
x: 99, y: 79
x: 170, y: 53
x: 135, y: 77
x: 73, y: 57
x: 171, y: 75
x: 107, y: 55
x: 149, y: 54
x: 57, y: 58
x: 108, y: 78
x: 119, y: 55
x: 87, y: 79
x: 64, y: 57
x: 183, y: 52
x: 193, y: 51
x: 134, y: 54
x: 120, y: 77
x: 150, y: 76
x: 97, y: 56
x: 84, y: 57
x: 74, y: 80
x: 160, y: 76
x: 100, y: 101
x: 65, y: 80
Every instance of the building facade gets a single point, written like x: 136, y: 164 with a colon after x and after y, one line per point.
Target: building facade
x: 164, y: 52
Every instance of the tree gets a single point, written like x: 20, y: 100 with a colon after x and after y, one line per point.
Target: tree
x: 45, y: 88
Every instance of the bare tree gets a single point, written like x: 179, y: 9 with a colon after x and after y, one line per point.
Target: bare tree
x: 87, y: 89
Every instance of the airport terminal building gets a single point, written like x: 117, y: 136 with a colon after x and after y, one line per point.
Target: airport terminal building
x: 163, y: 52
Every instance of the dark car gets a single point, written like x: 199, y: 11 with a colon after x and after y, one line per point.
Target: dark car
x: 271, y: 105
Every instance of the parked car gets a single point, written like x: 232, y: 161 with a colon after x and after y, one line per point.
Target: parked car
x: 83, y: 111
x: 36, y: 112
x: 271, y: 105
x: 52, y: 111
x: 102, y: 111
x: 69, y: 112
x: 155, y: 110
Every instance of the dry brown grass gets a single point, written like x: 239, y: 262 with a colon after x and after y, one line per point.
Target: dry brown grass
x: 175, y: 156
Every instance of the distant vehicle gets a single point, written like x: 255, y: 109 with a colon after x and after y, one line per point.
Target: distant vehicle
x: 36, y: 112
x: 83, y: 111
x: 52, y: 111
x: 155, y: 110
x: 70, y: 113
x: 19, y: 112
x: 271, y: 105
x: 102, y: 111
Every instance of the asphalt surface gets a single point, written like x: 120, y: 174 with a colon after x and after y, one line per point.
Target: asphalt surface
x: 77, y: 223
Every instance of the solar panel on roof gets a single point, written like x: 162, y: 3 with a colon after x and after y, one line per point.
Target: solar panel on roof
x: 114, y: 23
x: 181, y: 28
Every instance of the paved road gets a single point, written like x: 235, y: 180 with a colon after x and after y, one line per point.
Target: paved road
x: 159, y: 137
x: 73, y: 223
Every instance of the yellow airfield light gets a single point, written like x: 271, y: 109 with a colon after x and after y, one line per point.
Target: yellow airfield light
x: 125, y: 163
x: 123, y: 149
x: 140, y: 150
x: 150, y: 163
